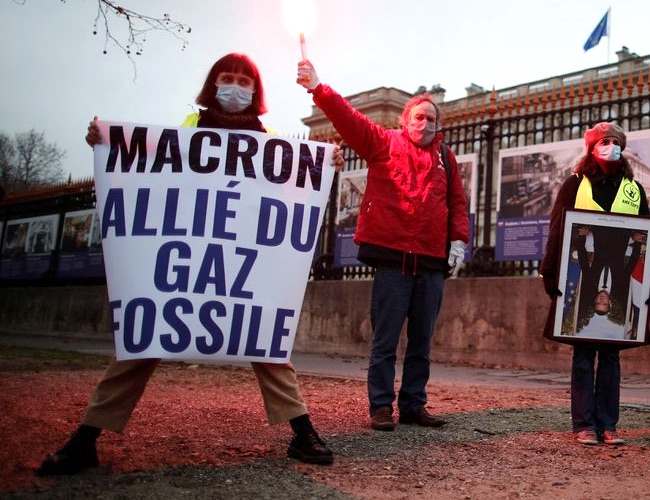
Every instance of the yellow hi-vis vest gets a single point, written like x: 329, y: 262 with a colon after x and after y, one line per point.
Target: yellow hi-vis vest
x: 192, y: 120
x: 627, y: 199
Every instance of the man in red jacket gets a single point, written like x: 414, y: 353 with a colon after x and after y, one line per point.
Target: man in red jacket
x: 413, y: 228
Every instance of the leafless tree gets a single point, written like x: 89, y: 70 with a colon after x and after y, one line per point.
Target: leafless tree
x: 28, y: 161
x: 138, y: 26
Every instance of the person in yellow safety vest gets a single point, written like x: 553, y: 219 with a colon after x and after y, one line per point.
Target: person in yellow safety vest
x: 232, y: 97
x: 603, y: 181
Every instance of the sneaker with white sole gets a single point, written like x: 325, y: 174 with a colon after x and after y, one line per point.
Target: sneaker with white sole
x: 587, y: 436
x: 610, y: 437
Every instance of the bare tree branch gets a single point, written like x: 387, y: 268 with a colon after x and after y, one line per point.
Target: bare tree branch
x: 138, y: 26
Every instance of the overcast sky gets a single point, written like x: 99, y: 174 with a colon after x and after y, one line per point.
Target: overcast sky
x: 55, y: 77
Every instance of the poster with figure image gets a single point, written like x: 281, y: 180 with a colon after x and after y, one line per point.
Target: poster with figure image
x: 76, y: 231
x: 16, y: 239
x: 351, y: 188
x: 468, y: 166
x: 42, y: 234
x: 28, y: 246
x: 96, y: 236
x: 603, y: 279
x: 80, y: 250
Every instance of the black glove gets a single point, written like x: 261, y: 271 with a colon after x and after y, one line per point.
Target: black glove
x: 550, y: 285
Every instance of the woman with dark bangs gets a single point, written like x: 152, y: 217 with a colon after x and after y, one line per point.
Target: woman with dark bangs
x: 232, y: 97
x: 239, y: 99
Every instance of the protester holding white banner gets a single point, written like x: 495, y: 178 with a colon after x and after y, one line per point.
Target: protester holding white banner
x: 412, y: 228
x: 232, y: 98
x: 603, y: 181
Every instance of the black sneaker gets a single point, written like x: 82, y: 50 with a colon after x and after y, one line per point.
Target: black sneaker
x: 69, y: 460
x: 310, y: 448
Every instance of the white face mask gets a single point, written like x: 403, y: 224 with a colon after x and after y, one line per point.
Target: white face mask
x: 610, y: 152
x: 422, y: 133
x: 234, y: 98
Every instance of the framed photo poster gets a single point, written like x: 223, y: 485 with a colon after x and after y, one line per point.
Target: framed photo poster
x: 603, y: 278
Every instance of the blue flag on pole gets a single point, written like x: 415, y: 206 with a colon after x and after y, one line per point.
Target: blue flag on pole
x: 600, y: 31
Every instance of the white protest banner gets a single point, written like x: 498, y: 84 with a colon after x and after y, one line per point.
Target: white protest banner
x: 208, y: 237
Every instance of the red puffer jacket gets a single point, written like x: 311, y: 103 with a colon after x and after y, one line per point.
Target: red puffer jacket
x: 405, y: 206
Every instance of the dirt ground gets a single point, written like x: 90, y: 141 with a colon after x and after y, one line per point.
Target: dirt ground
x: 200, y: 432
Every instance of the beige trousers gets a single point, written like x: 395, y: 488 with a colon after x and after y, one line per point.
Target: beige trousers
x: 122, y: 386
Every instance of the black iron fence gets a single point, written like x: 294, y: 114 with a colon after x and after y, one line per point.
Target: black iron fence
x: 483, y: 125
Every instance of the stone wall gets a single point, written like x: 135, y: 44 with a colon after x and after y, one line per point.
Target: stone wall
x: 483, y: 322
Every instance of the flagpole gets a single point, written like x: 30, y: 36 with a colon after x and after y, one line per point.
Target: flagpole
x: 609, y: 30
x: 607, y: 50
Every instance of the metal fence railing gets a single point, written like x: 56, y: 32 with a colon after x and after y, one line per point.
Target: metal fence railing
x: 483, y: 125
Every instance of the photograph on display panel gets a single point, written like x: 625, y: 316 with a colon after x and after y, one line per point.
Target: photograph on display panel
x: 603, y: 279
x: 41, y: 237
x: 16, y: 239
x: 77, y: 228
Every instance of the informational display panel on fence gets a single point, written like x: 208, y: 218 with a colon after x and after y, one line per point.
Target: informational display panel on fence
x: 529, y: 180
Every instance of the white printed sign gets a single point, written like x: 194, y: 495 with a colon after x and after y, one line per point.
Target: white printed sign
x: 208, y: 237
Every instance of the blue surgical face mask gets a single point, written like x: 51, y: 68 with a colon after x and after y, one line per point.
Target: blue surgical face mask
x: 234, y: 98
x: 610, y: 152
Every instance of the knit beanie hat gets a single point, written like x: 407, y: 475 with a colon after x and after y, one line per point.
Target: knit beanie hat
x: 604, y: 129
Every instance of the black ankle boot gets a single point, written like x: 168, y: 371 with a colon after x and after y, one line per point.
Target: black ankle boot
x: 310, y: 448
x: 79, y: 453
x: 306, y: 445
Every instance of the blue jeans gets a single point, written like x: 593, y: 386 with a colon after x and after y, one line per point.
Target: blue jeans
x: 396, y: 297
x: 595, y: 400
